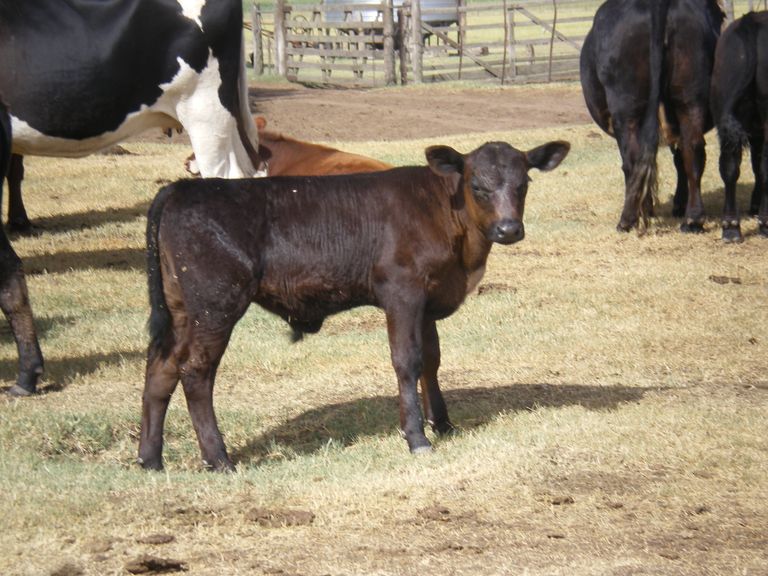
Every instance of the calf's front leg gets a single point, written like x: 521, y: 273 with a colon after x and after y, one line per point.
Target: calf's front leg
x: 404, y: 330
x: 435, y: 410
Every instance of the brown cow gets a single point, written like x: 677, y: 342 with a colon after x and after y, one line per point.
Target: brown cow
x: 413, y: 241
x: 285, y: 156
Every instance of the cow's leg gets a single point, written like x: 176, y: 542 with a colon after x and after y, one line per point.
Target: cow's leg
x: 14, y: 301
x: 694, y: 156
x: 760, y: 203
x: 756, y: 156
x: 629, y: 148
x: 680, y: 199
x: 404, y: 330
x: 162, y: 376
x: 17, y: 214
x: 730, y: 162
x: 435, y: 410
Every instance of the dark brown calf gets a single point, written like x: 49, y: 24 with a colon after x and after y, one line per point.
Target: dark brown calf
x: 14, y: 300
x: 413, y: 241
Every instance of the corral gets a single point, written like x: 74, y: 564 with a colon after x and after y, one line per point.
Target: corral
x: 610, y: 389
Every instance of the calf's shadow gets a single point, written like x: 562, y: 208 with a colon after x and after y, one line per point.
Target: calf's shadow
x: 469, y: 408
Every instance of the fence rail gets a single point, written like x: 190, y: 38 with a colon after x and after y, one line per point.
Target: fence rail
x: 370, y: 43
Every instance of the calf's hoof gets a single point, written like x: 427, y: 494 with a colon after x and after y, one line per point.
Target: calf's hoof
x: 19, y: 391
x: 732, y: 232
x: 26, y: 382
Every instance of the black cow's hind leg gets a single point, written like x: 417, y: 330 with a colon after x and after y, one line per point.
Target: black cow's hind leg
x: 435, y: 410
x: 730, y: 161
x: 681, y: 191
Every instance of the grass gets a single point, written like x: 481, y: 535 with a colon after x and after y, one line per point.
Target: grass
x: 612, y: 399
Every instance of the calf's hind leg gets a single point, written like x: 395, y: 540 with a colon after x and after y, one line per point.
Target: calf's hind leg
x: 198, y: 373
x: 161, y: 379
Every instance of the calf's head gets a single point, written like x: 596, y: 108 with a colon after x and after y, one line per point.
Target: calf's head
x: 494, y: 180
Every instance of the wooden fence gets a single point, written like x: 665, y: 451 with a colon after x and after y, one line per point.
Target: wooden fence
x: 375, y: 44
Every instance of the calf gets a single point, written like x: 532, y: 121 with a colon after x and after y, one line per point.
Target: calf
x: 739, y: 99
x: 413, y: 241
x: 14, y: 299
x: 285, y: 156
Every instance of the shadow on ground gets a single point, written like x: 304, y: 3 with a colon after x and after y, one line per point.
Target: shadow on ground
x: 60, y: 372
x: 120, y: 259
x: 469, y: 408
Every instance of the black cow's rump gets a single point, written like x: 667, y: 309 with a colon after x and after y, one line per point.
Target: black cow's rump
x: 642, y: 59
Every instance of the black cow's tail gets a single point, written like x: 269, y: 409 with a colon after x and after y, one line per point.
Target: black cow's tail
x: 160, y: 323
x: 644, y: 179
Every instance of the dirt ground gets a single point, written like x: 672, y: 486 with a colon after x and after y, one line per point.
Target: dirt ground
x: 418, y: 112
x: 318, y: 114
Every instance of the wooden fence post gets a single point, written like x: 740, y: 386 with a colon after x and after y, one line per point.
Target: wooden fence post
x: 417, y: 42
x: 402, y: 38
x: 258, y: 48
x: 280, y: 48
x: 389, y: 44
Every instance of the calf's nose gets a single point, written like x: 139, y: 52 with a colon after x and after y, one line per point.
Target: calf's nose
x: 508, y: 231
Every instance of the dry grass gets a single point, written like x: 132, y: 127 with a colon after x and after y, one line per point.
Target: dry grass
x: 611, y: 390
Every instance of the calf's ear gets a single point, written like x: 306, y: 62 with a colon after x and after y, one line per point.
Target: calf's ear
x: 548, y: 156
x: 444, y: 160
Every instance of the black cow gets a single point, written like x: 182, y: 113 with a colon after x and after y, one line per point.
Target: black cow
x: 80, y: 76
x: 14, y: 300
x: 413, y: 241
x: 641, y: 55
x: 739, y: 100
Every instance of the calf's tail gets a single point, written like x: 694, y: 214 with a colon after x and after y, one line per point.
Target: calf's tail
x: 160, y: 324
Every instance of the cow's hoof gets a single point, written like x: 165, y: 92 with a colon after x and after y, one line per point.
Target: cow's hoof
x: 732, y: 235
x: 624, y: 226
x: 19, y: 391
x: 222, y: 465
x: 763, y: 229
x: 691, y: 226
x: 420, y: 450
x: 444, y: 428
x: 155, y: 464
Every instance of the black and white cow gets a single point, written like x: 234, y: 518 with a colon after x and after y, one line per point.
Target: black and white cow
x: 80, y: 76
